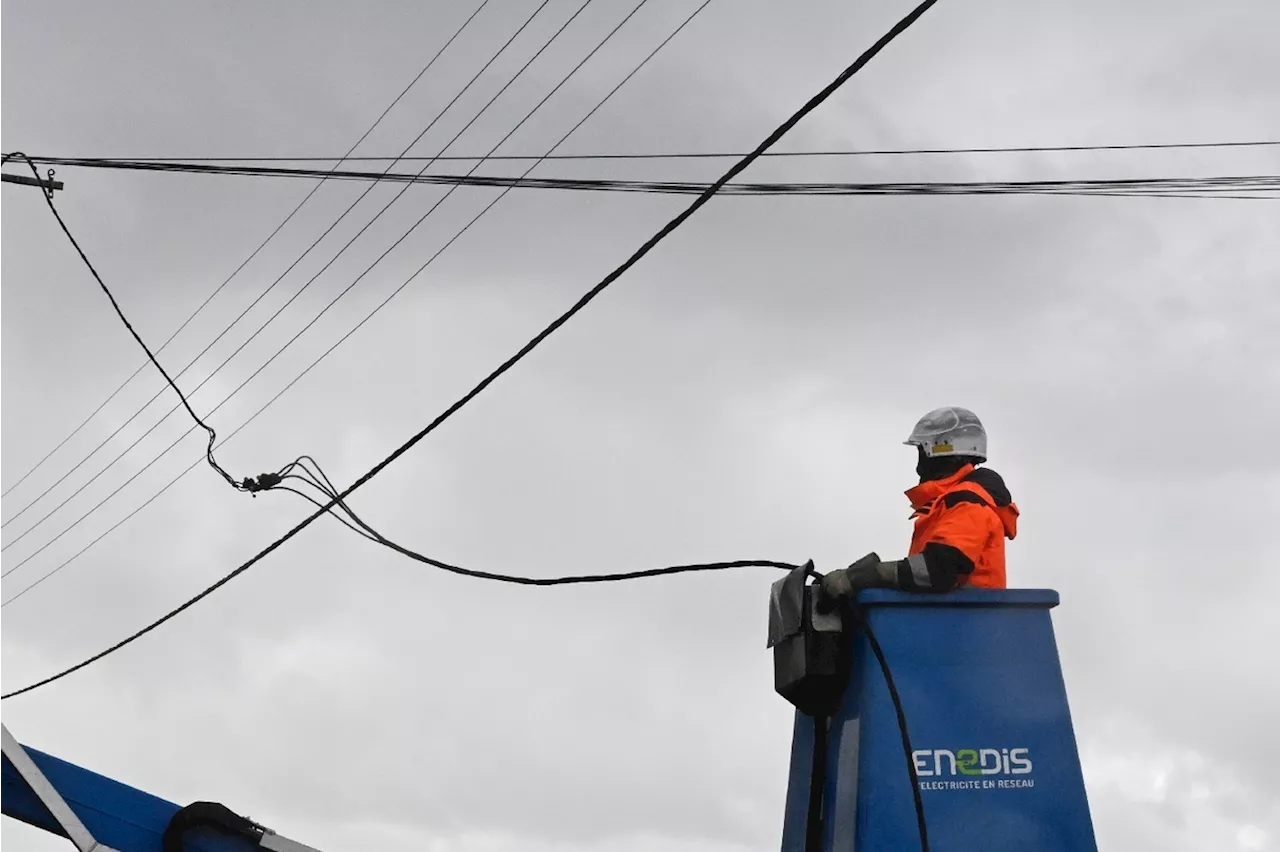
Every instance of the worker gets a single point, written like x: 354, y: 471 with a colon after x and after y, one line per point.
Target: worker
x: 962, y: 513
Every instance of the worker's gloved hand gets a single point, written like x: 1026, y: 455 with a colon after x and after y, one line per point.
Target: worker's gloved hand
x: 867, y: 573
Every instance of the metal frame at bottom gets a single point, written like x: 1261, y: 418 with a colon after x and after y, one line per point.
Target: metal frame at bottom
x: 99, y: 814
x: 48, y: 796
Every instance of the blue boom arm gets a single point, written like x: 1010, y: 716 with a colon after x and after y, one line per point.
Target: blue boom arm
x: 99, y: 814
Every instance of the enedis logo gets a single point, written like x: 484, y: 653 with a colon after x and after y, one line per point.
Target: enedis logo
x: 974, y: 768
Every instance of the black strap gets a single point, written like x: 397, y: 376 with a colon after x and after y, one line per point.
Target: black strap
x: 955, y: 498
x: 817, y: 781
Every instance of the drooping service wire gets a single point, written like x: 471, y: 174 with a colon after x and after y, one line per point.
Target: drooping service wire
x: 594, y: 109
x: 287, y: 219
x: 289, y: 302
x: 311, y: 474
x: 247, y: 484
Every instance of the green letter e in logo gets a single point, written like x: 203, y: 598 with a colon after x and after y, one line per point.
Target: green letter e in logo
x: 967, y: 761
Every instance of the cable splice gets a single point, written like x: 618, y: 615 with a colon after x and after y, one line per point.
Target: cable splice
x: 862, y: 623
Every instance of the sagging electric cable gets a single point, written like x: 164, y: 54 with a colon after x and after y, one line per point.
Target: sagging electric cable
x: 300, y: 291
x: 586, y: 299
x: 271, y: 236
x: 247, y: 484
x: 320, y: 482
x: 256, y: 484
x: 324, y: 355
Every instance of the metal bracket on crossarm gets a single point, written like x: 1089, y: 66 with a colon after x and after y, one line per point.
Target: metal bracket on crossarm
x: 49, y: 796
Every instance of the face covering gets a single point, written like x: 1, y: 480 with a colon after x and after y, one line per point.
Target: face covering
x: 929, y: 469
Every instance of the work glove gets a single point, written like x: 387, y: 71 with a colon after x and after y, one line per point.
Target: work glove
x: 867, y: 573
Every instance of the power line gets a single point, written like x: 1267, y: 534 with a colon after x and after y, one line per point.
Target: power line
x: 279, y: 310
x: 1126, y: 186
x: 251, y: 256
x: 586, y: 299
x: 721, y: 155
x: 598, y: 106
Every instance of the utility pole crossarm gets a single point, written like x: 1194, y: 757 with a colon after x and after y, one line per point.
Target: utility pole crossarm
x: 47, y: 185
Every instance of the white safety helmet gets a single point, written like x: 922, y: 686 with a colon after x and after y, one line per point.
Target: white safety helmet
x: 950, y: 431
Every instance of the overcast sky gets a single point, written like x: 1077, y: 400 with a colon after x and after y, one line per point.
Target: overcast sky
x: 741, y: 393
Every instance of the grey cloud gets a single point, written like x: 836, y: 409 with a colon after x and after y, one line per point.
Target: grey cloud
x: 742, y: 392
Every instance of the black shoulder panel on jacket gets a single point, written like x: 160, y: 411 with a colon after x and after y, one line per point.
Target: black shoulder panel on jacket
x: 955, y: 498
x: 993, y: 483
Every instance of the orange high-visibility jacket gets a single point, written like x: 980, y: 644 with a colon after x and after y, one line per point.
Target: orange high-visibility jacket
x: 971, y: 511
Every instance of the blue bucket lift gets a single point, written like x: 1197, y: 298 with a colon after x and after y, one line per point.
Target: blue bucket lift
x: 982, y: 698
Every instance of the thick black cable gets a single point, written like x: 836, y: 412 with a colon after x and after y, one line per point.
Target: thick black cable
x: 864, y: 624
x: 817, y: 781
x: 283, y: 307
x: 596, y: 108
x: 737, y: 168
x: 120, y: 313
x: 722, y: 155
x: 1131, y: 187
x: 318, y: 480
x: 319, y: 505
x: 453, y: 569
x: 251, y: 256
x: 336, y: 500
x: 574, y: 579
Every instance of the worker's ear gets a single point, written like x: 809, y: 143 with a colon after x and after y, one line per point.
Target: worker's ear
x: 810, y: 648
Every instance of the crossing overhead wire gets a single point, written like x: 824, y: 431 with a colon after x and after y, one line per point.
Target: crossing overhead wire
x: 321, y: 483
x: 279, y: 310
x: 307, y: 471
x: 271, y: 236
x: 718, y: 155
x: 596, y: 108
x: 524, y: 351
